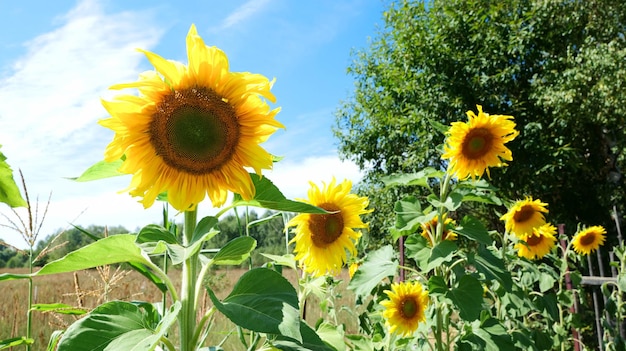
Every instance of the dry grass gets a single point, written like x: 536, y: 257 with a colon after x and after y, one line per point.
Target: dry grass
x: 87, y: 289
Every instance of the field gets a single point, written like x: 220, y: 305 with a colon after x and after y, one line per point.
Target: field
x: 87, y: 289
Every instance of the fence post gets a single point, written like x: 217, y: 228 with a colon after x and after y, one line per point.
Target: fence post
x: 568, y: 286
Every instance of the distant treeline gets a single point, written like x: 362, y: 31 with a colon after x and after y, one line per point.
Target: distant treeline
x: 267, y: 229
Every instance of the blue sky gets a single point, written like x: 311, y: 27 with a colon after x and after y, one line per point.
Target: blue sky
x: 58, y: 58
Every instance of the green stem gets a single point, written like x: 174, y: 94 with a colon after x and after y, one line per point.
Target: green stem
x: 439, y: 330
x: 443, y: 194
x: 202, y: 324
x: 29, y: 314
x: 187, y: 316
x: 165, y: 341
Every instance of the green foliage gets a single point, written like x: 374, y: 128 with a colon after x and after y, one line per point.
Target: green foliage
x: 9, y: 192
x: 556, y: 66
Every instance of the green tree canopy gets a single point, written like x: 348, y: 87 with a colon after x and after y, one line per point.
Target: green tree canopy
x: 558, y: 67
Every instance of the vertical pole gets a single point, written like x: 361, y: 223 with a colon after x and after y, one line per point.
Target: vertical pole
x: 401, y: 249
x: 568, y: 286
x: 596, y: 308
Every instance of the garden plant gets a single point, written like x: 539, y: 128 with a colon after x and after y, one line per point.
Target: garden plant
x: 188, y: 132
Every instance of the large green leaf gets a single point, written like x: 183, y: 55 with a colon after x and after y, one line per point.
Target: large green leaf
x: 377, y: 266
x: 153, y: 233
x: 268, y: 196
x: 441, y: 253
x: 118, y: 325
x: 101, y: 170
x: 205, y: 229
x: 474, y: 229
x: 113, y: 249
x: 310, y: 341
x: 9, y: 192
x: 492, y: 267
x: 263, y: 301
x: 467, y: 297
x: 235, y: 251
x: 409, y: 214
x: 332, y: 335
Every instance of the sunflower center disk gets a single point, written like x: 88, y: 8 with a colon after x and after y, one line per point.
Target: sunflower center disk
x: 194, y: 130
x: 477, y: 143
x: 326, y: 228
x: 408, y: 308
x: 533, y: 240
x: 587, y: 239
x: 524, y: 214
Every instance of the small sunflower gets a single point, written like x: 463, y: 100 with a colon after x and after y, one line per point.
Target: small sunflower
x: 429, y: 228
x: 538, y: 243
x: 475, y: 146
x: 525, y: 215
x: 322, y: 239
x: 588, y: 240
x: 405, y: 308
x: 192, y: 130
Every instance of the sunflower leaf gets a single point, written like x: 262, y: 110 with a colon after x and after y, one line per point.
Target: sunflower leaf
x: 119, y: 325
x: 9, y: 192
x: 474, y: 229
x: 113, y: 249
x: 269, y: 197
x: 492, y: 267
x: 420, y: 178
x: 100, y: 170
x: 377, y: 266
x: 235, y: 251
x: 441, y: 253
x: 263, y: 301
x: 467, y: 296
x: 20, y: 340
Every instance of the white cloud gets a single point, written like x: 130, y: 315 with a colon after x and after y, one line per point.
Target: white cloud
x: 243, y: 12
x: 50, y: 98
x: 292, y: 177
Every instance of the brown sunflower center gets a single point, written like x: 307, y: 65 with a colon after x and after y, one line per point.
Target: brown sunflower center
x: 534, y: 240
x: 587, y: 239
x: 477, y: 143
x: 326, y: 228
x: 524, y: 214
x: 408, y: 307
x: 194, y: 130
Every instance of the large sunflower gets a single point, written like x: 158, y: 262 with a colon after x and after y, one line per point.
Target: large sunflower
x: 538, y: 243
x: 322, y: 239
x: 474, y: 146
x: 588, y: 240
x: 405, y: 308
x: 525, y: 215
x: 192, y: 130
x: 430, y: 228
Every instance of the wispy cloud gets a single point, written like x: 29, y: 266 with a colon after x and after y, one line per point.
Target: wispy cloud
x: 243, y: 12
x: 50, y: 97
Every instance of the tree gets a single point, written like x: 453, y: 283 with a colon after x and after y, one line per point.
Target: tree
x: 558, y: 67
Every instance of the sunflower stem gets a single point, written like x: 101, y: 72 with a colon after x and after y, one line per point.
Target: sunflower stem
x: 187, y: 316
